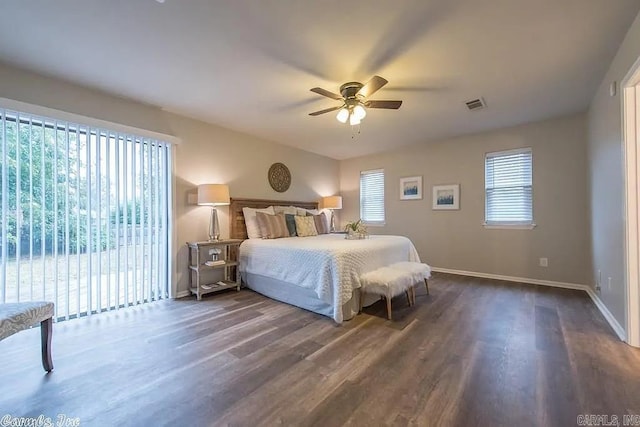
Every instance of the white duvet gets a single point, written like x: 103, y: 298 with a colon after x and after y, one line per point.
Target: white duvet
x: 328, y: 264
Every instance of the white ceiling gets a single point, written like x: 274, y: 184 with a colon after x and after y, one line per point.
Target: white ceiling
x: 249, y: 64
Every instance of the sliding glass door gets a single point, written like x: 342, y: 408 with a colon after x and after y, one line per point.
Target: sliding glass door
x: 83, y: 215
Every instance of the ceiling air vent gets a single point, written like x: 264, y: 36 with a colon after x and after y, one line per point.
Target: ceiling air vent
x: 476, y: 104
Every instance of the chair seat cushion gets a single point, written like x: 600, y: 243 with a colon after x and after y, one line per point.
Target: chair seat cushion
x: 18, y: 316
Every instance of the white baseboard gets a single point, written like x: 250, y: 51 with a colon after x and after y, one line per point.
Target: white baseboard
x: 619, y: 330
x: 182, y: 294
x: 513, y: 279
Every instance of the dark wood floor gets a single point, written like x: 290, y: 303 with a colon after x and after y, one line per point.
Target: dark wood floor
x: 474, y: 352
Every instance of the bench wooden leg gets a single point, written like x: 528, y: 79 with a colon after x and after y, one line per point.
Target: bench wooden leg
x: 408, y: 297
x: 46, y: 330
x: 413, y: 295
x: 426, y: 285
x: 389, y: 308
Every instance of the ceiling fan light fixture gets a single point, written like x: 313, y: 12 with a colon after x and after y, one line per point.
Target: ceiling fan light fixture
x: 354, y: 100
x: 359, y: 112
x: 343, y: 115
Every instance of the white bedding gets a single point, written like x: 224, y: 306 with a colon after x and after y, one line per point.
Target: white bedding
x: 328, y: 264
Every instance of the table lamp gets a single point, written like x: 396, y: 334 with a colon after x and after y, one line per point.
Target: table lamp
x: 213, y: 195
x: 332, y: 202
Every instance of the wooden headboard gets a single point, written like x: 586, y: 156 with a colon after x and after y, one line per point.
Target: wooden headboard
x: 237, y: 227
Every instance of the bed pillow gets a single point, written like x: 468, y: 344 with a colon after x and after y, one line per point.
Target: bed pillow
x: 285, y: 210
x: 303, y: 211
x: 272, y: 226
x: 291, y: 224
x: 253, y: 230
x: 320, y: 221
x: 327, y: 216
x: 305, y: 226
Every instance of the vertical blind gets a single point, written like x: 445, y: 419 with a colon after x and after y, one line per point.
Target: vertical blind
x: 508, y: 187
x: 83, y: 215
x: 372, y: 196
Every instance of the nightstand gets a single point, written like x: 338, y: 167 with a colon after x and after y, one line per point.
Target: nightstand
x: 200, y: 262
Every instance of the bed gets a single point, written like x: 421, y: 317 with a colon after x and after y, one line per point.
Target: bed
x: 319, y: 273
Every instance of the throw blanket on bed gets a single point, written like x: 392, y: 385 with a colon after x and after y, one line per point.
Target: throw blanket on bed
x: 328, y: 264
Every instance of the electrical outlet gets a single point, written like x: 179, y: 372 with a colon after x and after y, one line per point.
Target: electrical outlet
x: 544, y: 262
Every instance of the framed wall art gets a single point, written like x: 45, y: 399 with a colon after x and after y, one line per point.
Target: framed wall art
x: 446, y: 197
x: 411, y: 188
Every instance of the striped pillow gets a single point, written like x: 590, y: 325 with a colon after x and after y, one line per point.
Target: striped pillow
x: 321, y: 223
x: 305, y: 226
x: 250, y: 220
x: 272, y: 226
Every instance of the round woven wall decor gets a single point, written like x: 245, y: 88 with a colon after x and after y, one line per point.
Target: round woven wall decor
x: 279, y: 177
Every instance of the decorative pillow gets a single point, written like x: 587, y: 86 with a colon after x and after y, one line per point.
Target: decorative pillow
x: 305, y: 226
x: 291, y: 224
x: 285, y: 210
x: 272, y: 226
x: 253, y: 230
x: 327, y: 217
x: 321, y: 223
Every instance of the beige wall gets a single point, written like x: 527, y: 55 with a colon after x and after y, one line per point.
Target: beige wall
x: 213, y: 154
x: 456, y: 239
x: 606, y: 182
x: 207, y: 154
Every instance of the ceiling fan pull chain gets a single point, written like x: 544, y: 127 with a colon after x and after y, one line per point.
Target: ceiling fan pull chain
x: 353, y: 131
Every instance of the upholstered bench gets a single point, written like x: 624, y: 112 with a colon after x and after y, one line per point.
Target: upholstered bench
x: 418, y: 271
x: 393, y: 280
x: 18, y: 316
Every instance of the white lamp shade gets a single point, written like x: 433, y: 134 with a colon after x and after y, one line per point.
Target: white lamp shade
x: 354, y: 120
x: 332, y: 202
x: 359, y: 112
x: 343, y: 115
x: 213, y: 194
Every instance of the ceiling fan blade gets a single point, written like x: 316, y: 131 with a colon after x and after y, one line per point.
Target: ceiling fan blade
x: 326, y: 93
x: 372, y: 86
x: 327, y: 110
x: 391, y: 105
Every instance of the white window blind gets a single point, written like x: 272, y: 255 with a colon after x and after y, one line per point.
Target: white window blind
x: 84, y: 215
x: 508, y: 187
x: 372, y: 196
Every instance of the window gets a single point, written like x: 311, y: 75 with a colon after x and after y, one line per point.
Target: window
x: 508, y: 188
x: 84, y: 215
x: 372, y: 196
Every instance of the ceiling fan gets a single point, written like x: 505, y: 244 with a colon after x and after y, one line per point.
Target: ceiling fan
x: 354, y: 100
